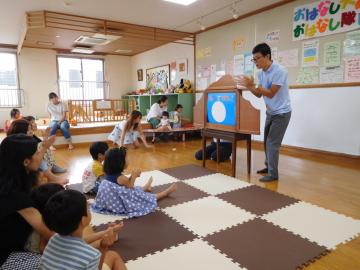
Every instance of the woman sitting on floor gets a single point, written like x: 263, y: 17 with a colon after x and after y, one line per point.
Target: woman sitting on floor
x: 23, y: 127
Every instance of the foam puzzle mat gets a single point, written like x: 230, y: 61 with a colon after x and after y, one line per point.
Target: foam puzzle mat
x: 214, y: 221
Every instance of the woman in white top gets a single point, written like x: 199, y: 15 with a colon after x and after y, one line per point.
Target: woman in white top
x: 156, y: 111
x: 128, y: 131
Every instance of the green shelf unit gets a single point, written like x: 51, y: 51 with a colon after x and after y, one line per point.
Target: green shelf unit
x: 144, y: 102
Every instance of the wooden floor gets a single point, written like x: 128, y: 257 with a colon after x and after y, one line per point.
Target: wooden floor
x: 327, y: 181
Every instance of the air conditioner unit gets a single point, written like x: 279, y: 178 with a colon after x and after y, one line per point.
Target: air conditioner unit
x: 97, y: 39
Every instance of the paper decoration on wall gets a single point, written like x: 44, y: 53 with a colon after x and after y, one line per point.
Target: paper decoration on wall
x: 212, y: 73
x: 229, y: 69
x: 173, y: 71
x: 272, y: 36
x: 182, y: 67
x: 238, y: 68
x: 239, y: 44
x: 352, y: 44
x: 331, y: 74
x: 332, y: 54
x: 308, y: 75
x: 248, y: 64
x: 201, y: 84
x: 310, y: 53
x: 223, y: 65
x: 289, y: 58
x: 326, y: 17
x: 204, y: 71
x: 202, y: 53
x: 352, y: 69
x: 274, y: 54
x: 158, y: 78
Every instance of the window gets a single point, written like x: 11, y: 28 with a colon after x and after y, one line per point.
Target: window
x: 81, y: 79
x: 10, y: 94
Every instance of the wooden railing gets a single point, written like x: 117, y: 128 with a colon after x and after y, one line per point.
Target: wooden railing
x: 87, y: 111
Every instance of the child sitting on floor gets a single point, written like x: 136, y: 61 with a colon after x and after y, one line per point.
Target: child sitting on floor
x: 128, y: 131
x: 40, y: 195
x: 117, y: 193
x: 94, y: 171
x: 14, y: 115
x: 67, y: 214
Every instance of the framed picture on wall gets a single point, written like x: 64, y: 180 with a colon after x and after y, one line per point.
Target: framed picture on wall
x: 158, y: 78
x: 182, y: 67
x: 140, y: 75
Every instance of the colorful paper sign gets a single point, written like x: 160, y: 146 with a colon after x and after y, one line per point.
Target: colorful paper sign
x: 248, y: 64
x: 289, y: 58
x: 238, y: 44
x: 332, y: 54
x: 352, y: 69
x: 238, y: 64
x: 325, y: 17
x: 202, y: 53
x: 331, y: 74
x: 310, y: 56
x: 273, y: 36
x: 352, y: 44
x: 308, y: 75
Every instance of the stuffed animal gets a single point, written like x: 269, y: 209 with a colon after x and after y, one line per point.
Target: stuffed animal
x: 187, y: 87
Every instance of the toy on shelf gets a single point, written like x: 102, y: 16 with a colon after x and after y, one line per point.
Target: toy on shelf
x: 184, y: 87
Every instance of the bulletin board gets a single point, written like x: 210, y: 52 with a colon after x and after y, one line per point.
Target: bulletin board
x: 314, y: 55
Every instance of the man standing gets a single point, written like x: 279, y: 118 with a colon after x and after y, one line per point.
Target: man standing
x: 58, y: 110
x: 273, y: 86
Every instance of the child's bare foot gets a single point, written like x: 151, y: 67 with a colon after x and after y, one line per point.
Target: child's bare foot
x: 171, y: 189
x: 117, y: 227
x: 71, y: 147
x: 148, y: 186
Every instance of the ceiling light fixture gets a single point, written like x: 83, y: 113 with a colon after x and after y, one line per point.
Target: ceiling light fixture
x: 234, y: 13
x: 45, y: 43
x: 181, y: 2
x: 202, y: 27
x: 83, y: 50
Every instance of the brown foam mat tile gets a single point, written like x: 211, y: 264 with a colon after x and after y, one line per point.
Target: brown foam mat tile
x: 260, y: 245
x: 184, y: 193
x: 149, y: 234
x: 187, y: 172
x: 257, y: 200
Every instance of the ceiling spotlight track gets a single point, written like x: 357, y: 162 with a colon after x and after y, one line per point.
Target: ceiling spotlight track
x: 200, y: 20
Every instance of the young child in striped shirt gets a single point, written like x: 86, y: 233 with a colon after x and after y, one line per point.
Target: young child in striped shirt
x: 67, y: 213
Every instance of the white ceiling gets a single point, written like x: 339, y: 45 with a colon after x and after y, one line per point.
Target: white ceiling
x: 156, y: 13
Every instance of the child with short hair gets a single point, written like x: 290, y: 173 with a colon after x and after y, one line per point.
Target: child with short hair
x: 164, y: 124
x: 117, y: 193
x: 128, y: 131
x: 94, y: 171
x: 40, y: 195
x: 14, y: 115
x: 67, y: 214
x: 177, y: 116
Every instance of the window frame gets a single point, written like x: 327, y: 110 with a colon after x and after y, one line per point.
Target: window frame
x: 81, y: 58
x: 20, y: 103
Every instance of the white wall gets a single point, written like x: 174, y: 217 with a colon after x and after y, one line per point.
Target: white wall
x: 161, y: 56
x: 323, y: 119
x: 38, y: 77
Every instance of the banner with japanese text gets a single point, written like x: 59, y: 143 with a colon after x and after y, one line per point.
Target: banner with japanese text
x: 325, y: 17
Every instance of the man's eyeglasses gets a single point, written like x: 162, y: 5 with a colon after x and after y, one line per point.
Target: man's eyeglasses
x: 254, y: 60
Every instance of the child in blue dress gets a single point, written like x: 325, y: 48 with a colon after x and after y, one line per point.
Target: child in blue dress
x: 117, y: 193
